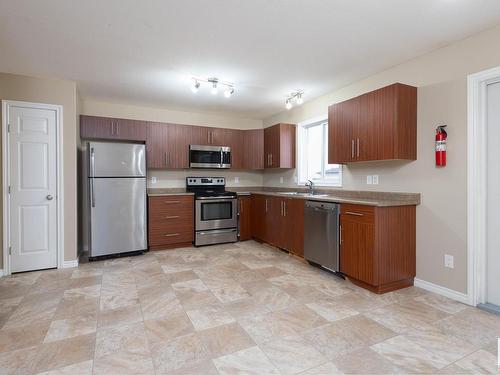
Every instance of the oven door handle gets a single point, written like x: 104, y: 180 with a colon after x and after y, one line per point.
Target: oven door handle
x: 215, y: 199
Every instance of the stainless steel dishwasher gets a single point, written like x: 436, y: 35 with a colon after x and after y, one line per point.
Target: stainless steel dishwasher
x: 321, y: 234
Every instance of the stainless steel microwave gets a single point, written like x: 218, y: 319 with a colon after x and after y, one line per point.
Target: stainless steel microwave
x: 209, y: 156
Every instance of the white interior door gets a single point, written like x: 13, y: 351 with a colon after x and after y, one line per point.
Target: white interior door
x: 33, y: 188
x: 493, y: 196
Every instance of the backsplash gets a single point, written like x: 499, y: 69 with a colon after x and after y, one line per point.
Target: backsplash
x: 177, y: 178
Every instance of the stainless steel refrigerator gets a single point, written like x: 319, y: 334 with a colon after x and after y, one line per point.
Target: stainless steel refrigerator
x: 114, y: 198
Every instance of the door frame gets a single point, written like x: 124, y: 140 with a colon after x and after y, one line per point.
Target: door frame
x: 6, y: 104
x: 477, y: 182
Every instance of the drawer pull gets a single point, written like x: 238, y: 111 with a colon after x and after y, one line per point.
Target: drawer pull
x: 354, y: 213
x: 172, y: 217
x: 171, y: 202
x: 172, y: 235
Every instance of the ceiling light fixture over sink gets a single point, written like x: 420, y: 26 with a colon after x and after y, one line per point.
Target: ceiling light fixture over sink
x: 214, y: 84
x: 295, y: 97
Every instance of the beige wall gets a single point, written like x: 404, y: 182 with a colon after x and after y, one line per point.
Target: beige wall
x: 101, y: 108
x: 441, y: 77
x: 39, y: 90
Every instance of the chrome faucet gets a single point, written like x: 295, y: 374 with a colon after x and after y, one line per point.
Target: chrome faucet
x: 310, y: 184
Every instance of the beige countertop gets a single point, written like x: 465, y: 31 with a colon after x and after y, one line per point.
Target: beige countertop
x: 369, y: 198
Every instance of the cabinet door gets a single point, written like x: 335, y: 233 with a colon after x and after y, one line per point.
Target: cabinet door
x: 274, y: 222
x: 293, y: 227
x: 129, y: 130
x: 383, y: 117
x: 272, y: 147
x: 253, y: 146
x: 245, y: 217
x: 287, y: 134
x: 367, y: 132
x: 200, y: 135
x: 95, y: 127
x: 177, y: 148
x: 157, y: 145
x: 232, y: 138
x: 258, y: 207
x: 357, y: 252
x: 342, y: 118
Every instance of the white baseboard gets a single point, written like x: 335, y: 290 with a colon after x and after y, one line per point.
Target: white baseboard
x: 1, y: 272
x: 70, y: 263
x: 441, y: 290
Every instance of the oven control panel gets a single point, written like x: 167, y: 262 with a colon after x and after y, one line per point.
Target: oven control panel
x: 205, y: 181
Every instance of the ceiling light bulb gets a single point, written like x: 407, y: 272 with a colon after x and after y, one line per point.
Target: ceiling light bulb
x: 228, y: 92
x: 288, y: 104
x: 300, y: 101
x: 195, y: 87
x: 214, y: 88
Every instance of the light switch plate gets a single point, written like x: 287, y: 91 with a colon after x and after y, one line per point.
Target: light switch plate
x: 375, y: 179
x: 154, y: 180
x: 236, y: 180
x: 369, y: 180
x: 282, y: 180
x: 449, y: 261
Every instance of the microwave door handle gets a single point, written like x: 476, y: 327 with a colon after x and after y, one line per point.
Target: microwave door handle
x: 221, y: 157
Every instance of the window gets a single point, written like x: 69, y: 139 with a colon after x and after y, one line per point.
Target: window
x: 313, y: 156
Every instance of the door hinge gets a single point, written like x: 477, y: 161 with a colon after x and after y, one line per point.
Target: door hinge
x: 8, y: 128
x: 10, y: 250
x: 9, y: 189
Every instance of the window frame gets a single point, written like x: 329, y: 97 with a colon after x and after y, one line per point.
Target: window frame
x: 301, y: 164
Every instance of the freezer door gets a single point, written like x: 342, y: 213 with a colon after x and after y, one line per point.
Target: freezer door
x: 117, y: 215
x: 116, y: 159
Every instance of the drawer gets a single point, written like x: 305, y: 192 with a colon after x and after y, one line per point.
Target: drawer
x: 169, y: 203
x: 356, y: 212
x: 170, y: 236
x: 170, y: 214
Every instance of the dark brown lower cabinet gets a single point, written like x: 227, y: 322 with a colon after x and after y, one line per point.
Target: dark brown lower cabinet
x: 378, y: 246
x: 170, y: 221
x: 245, y: 217
x: 279, y: 222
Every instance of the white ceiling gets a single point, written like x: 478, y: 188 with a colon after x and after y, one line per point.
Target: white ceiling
x: 145, y: 51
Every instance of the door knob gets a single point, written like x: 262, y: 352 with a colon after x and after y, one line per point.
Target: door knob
x: 49, y: 197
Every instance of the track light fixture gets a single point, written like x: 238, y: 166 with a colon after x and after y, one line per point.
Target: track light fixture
x: 296, y: 97
x: 214, y: 83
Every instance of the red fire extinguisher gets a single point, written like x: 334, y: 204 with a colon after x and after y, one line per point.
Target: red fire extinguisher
x: 441, y: 136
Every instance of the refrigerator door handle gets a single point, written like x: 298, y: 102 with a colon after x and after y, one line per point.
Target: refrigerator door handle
x: 92, y: 162
x: 92, y: 198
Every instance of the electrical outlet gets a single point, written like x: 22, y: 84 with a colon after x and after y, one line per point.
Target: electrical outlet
x: 369, y: 180
x: 449, y: 261
x: 282, y: 180
x: 154, y: 180
x: 236, y: 180
x: 375, y: 179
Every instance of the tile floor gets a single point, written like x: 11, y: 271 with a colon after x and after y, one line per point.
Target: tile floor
x: 232, y: 309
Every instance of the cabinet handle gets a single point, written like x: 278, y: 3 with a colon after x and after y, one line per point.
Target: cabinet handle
x: 171, y: 202
x: 284, y: 208
x: 172, y: 235
x: 166, y: 159
x: 266, y: 205
x: 357, y: 147
x: 271, y: 159
x: 352, y: 148
x: 354, y: 213
x: 281, y: 208
x: 172, y: 217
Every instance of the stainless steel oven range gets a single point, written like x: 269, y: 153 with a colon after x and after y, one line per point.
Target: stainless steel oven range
x: 216, y: 219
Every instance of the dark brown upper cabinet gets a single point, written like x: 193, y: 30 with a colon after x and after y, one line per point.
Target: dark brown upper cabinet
x: 253, y: 149
x: 95, y: 127
x: 167, y: 145
x: 279, y: 146
x: 379, y: 125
